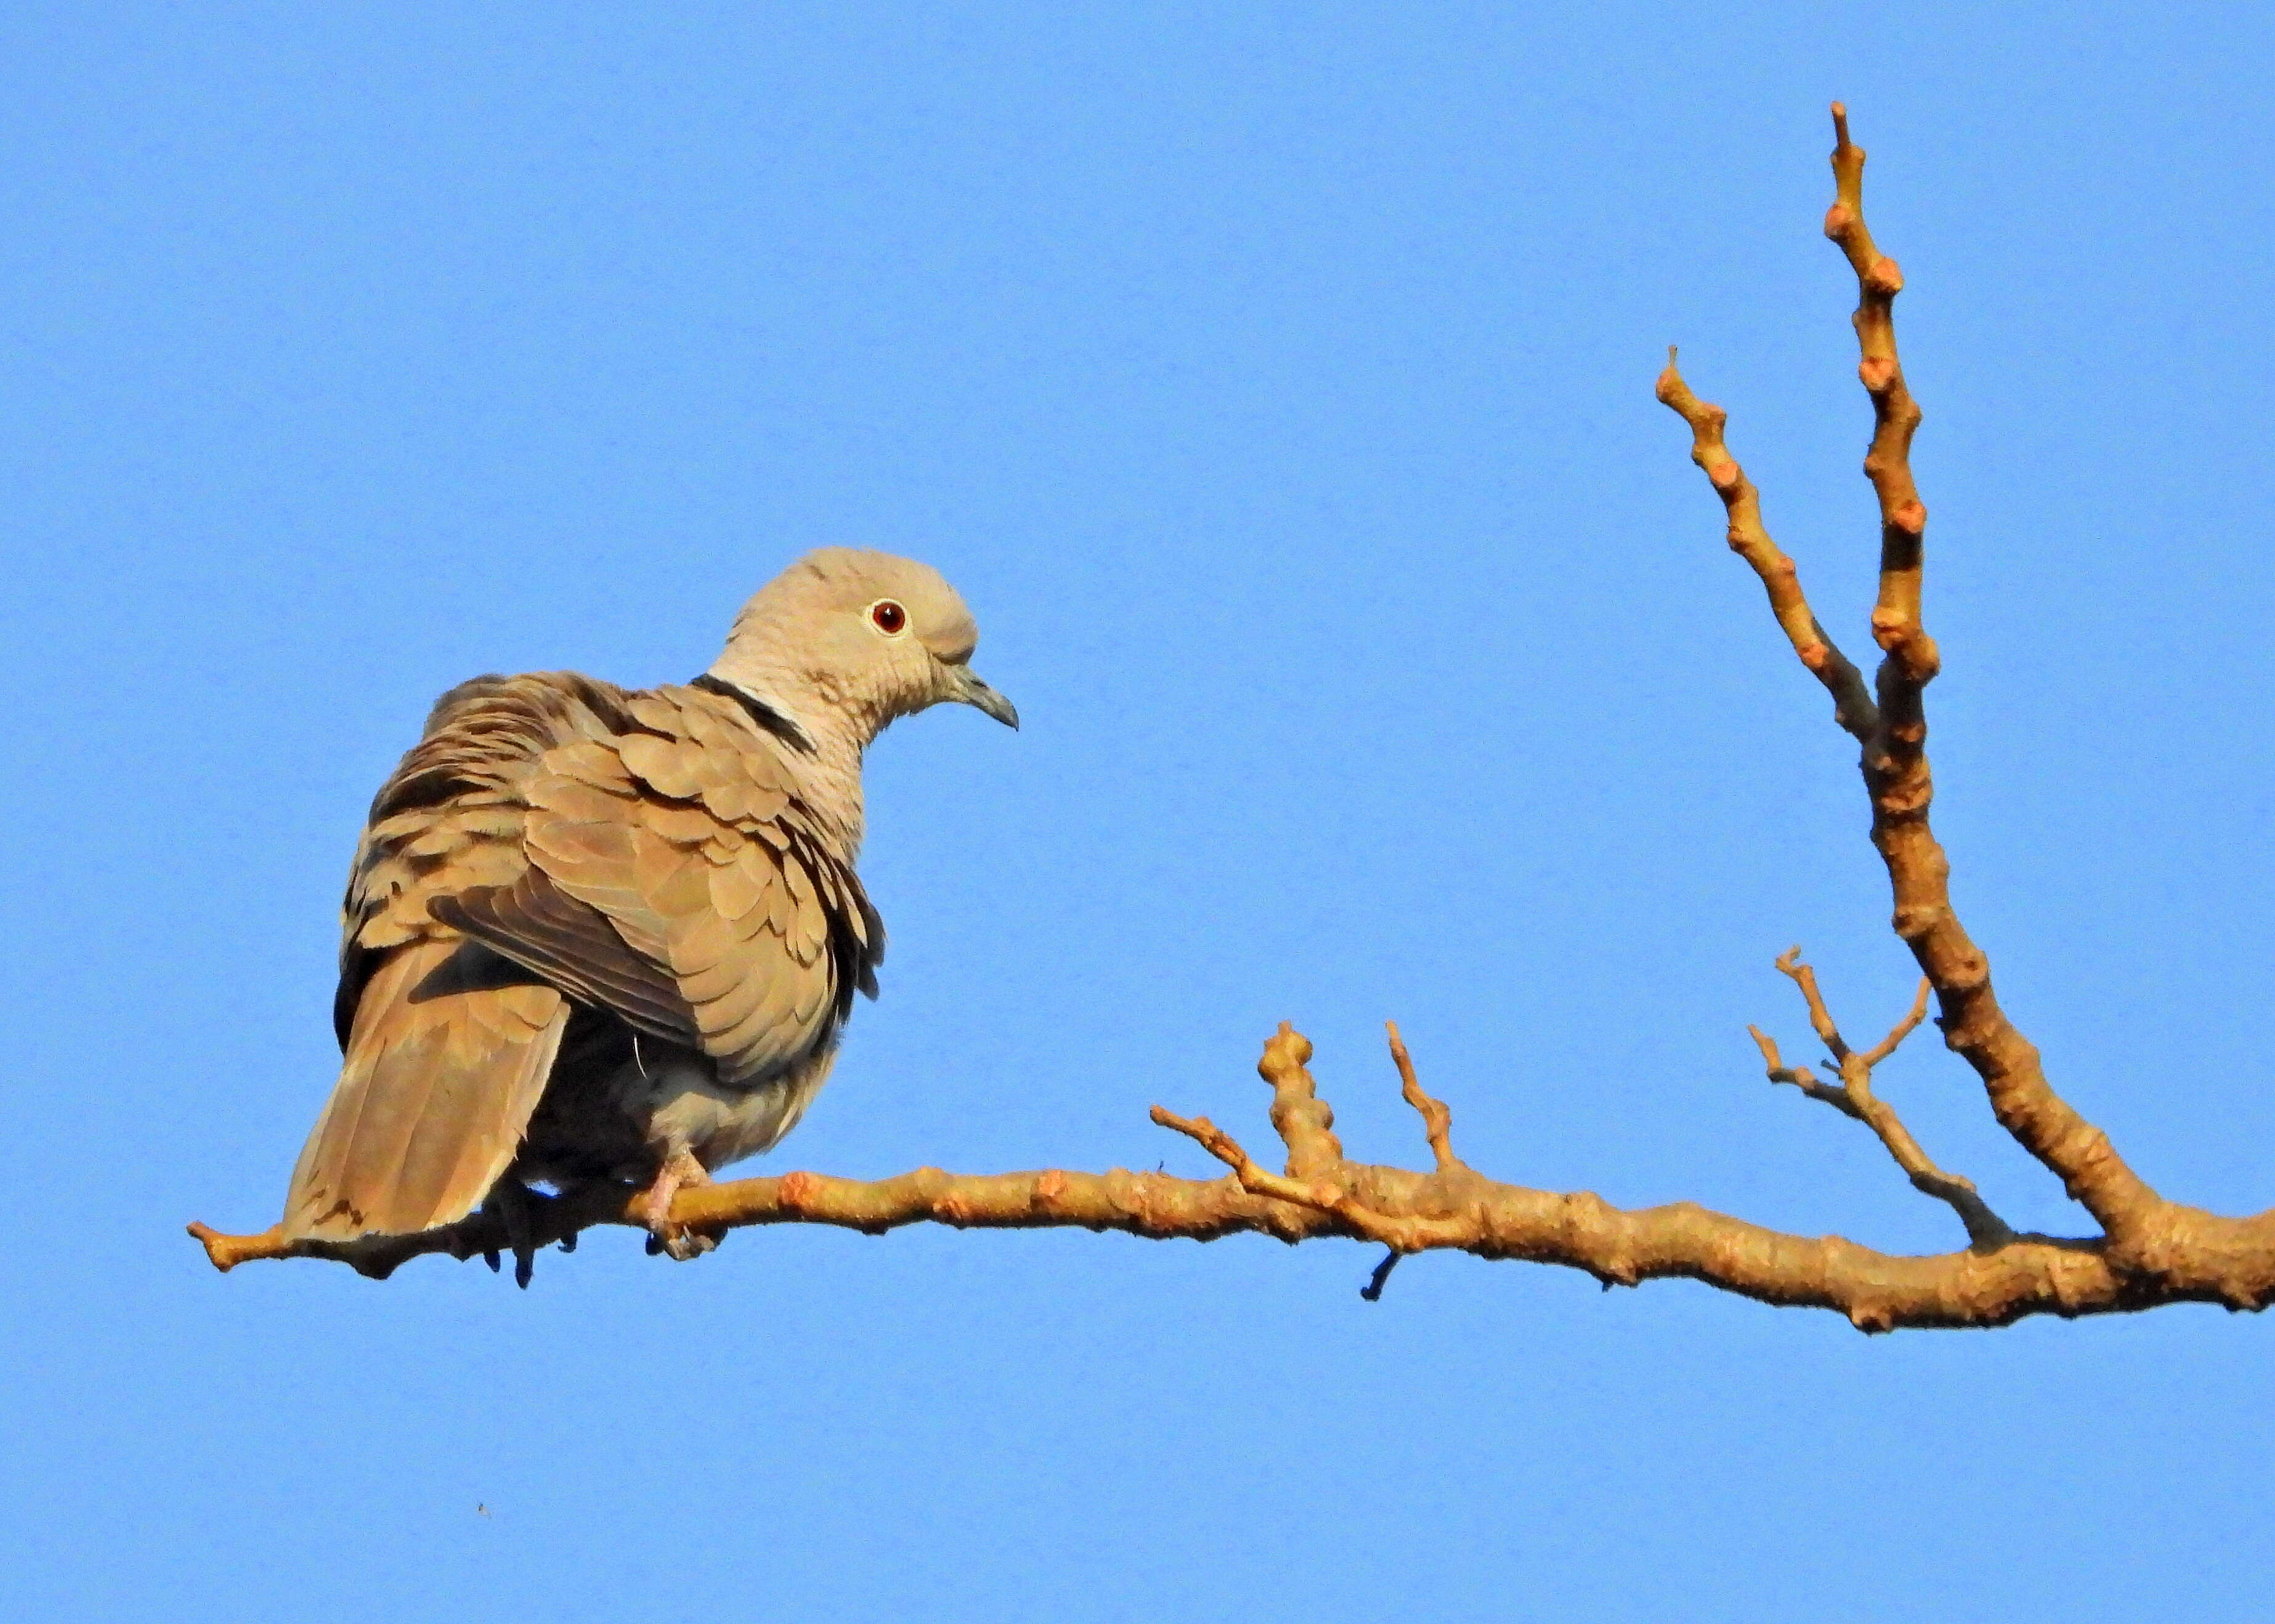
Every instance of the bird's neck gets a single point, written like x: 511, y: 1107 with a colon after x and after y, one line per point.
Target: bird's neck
x: 833, y: 771
x: 828, y: 732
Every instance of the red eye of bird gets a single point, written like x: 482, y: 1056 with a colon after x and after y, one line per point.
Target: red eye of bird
x: 889, y: 616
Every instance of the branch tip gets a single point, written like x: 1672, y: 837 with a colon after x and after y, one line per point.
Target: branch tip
x: 1304, y: 1122
x: 1902, y: 1029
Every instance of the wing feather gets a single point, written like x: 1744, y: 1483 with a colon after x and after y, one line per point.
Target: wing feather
x: 648, y: 854
x: 446, y: 1060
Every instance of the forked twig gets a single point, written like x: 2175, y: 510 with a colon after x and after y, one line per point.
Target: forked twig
x: 1853, y: 1097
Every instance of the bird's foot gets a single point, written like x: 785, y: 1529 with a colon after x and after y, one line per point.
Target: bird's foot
x: 680, y: 1171
x: 514, y: 1203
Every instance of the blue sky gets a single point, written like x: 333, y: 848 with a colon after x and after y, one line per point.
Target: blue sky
x: 1275, y: 382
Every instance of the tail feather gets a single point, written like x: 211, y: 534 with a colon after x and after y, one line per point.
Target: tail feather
x: 444, y: 1067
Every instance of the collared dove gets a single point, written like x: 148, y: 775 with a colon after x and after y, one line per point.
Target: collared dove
x: 593, y: 933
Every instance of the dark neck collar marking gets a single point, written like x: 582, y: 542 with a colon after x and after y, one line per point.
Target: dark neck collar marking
x: 769, y: 719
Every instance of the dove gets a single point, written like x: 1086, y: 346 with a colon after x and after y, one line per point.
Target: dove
x: 593, y: 933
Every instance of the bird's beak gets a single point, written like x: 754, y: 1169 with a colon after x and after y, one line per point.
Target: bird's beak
x: 967, y: 689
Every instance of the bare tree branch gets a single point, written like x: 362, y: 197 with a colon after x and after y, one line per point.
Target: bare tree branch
x: 2151, y: 1252
x: 1453, y: 1208
x: 2146, y: 1232
x: 1896, y: 758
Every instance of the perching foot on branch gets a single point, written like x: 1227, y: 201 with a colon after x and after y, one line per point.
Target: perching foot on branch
x: 680, y: 1171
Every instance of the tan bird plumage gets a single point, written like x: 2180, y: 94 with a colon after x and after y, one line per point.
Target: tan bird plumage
x: 594, y: 933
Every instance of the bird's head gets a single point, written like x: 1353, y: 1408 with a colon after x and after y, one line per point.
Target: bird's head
x: 863, y: 636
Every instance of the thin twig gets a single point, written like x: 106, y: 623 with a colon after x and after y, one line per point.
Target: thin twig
x: 1852, y: 704
x: 1853, y: 1097
x: 1913, y: 659
x: 1801, y: 1077
x: 1405, y: 1233
x: 1820, y: 1019
x: 1437, y: 1120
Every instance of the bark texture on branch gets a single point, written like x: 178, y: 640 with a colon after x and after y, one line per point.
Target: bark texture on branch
x: 2150, y: 1252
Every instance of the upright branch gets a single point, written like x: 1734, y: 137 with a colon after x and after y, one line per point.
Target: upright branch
x: 1895, y: 755
x: 1912, y: 660
x: 2151, y: 1251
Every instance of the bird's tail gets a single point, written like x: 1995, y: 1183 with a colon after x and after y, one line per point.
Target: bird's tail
x: 444, y: 1064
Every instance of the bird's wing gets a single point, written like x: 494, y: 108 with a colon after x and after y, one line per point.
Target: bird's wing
x: 448, y: 1045
x: 678, y: 875
x: 450, y: 1049
x: 452, y: 823
x: 554, y: 839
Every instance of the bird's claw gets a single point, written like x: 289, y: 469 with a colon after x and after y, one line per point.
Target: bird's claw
x: 675, y: 1241
x: 512, y: 1201
x: 680, y: 1244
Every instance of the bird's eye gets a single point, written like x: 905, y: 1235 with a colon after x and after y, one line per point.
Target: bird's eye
x: 888, y: 617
